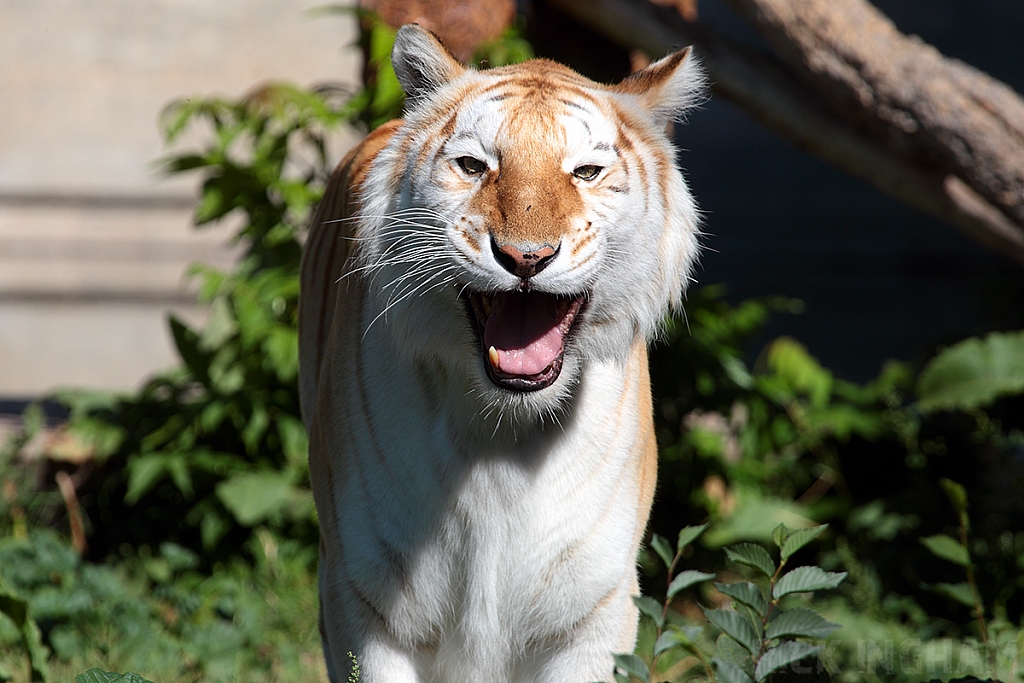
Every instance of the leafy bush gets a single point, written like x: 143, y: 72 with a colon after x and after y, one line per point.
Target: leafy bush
x: 757, y: 637
x: 101, y: 676
x: 205, y: 453
x: 157, y: 614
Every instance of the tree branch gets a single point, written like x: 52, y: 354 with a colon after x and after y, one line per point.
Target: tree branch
x: 765, y: 88
x: 925, y: 104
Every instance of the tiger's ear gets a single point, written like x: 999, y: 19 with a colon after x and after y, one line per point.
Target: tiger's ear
x: 421, y: 62
x: 668, y: 87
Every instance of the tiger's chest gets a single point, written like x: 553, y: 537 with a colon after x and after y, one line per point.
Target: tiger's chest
x: 463, y: 536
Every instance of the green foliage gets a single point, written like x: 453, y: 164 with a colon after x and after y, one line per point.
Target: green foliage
x: 744, y: 443
x: 158, y: 614
x: 783, y: 440
x: 355, y: 673
x: 16, y: 610
x: 205, y: 453
x: 101, y: 676
x: 757, y: 634
x: 955, y: 551
x: 973, y: 373
x: 508, y: 48
x: 382, y: 99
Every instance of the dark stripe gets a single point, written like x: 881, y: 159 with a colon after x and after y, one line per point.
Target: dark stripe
x: 368, y: 604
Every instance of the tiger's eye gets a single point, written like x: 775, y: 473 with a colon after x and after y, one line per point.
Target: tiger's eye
x: 471, y: 166
x: 587, y: 171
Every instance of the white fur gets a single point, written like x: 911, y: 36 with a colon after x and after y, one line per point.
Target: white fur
x: 485, y: 526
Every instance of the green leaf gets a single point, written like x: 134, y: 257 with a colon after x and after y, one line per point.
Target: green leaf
x: 746, y: 593
x: 212, y: 529
x: 101, y: 676
x: 293, y: 440
x: 947, y: 548
x: 736, y: 627
x: 663, y: 549
x: 674, y: 637
x: 798, y: 539
x: 807, y: 579
x: 798, y: 373
x: 956, y: 493
x: 783, y: 655
x: 689, y: 534
x: 97, y: 676
x: 178, y: 557
x: 633, y: 665
x: 686, y: 579
x: 220, y: 324
x: 780, y: 534
x: 752, y: 555
x: 187, y: 343
x: 282, y: 350
x: 212, y: 416
x: 183, y: 162
x: 960, y: 592
x: 728, y: 650
x: 177, y: 467
x: 756, y: 514
x: 973, y: 373
x: 143, y: 473
x: 736, y: 370
x: 16, y: 610
x: 214, y: 203
x: 651, y: 607
x: 132, y: 677
x: 97, y: 434
x: 727, y: 672
x: 799, y: 622
x: 252, y: 497
x: 257, y: 426
x: 507, y: 49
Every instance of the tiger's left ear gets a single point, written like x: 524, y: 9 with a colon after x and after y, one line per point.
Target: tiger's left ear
x: 668, y: 87
x: 421, y: 62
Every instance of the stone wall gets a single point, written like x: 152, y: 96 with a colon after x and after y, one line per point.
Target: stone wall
x: 93, y: 242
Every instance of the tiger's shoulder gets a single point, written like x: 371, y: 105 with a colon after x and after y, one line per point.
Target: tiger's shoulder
x: 328, y: 247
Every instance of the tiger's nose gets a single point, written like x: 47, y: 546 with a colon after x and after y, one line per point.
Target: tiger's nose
x: 526, y: 262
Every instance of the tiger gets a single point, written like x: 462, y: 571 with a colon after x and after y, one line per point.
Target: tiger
x: 478, y: 288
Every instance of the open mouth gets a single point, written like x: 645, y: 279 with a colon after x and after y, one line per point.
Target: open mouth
x: 523, y: 335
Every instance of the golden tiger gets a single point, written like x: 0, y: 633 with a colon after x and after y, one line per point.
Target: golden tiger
x: 478, y: 289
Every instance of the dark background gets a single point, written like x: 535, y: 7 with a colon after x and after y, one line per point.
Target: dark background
x: 878, y: 279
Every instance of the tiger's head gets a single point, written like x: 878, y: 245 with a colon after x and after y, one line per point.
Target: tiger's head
x: 525, y: 220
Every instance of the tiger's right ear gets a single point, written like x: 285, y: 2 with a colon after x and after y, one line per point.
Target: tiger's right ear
x: 668, y: 87
x: 421, y: 62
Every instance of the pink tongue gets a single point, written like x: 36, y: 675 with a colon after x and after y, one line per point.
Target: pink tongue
x: 523, y: 329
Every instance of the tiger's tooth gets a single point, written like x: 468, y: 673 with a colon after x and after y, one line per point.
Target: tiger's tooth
x: 485, y: 302
x: 492, y: 355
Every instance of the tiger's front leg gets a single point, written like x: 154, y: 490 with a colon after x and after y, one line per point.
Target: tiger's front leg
x: 588, y: 656
x: 378, y: 661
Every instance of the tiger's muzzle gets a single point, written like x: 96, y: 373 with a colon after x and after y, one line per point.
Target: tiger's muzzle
x: 523, y: 335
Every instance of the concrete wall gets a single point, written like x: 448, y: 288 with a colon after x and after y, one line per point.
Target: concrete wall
x: 93, y: 242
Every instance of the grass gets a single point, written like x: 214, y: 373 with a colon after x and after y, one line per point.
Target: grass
x: 154, y: 614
